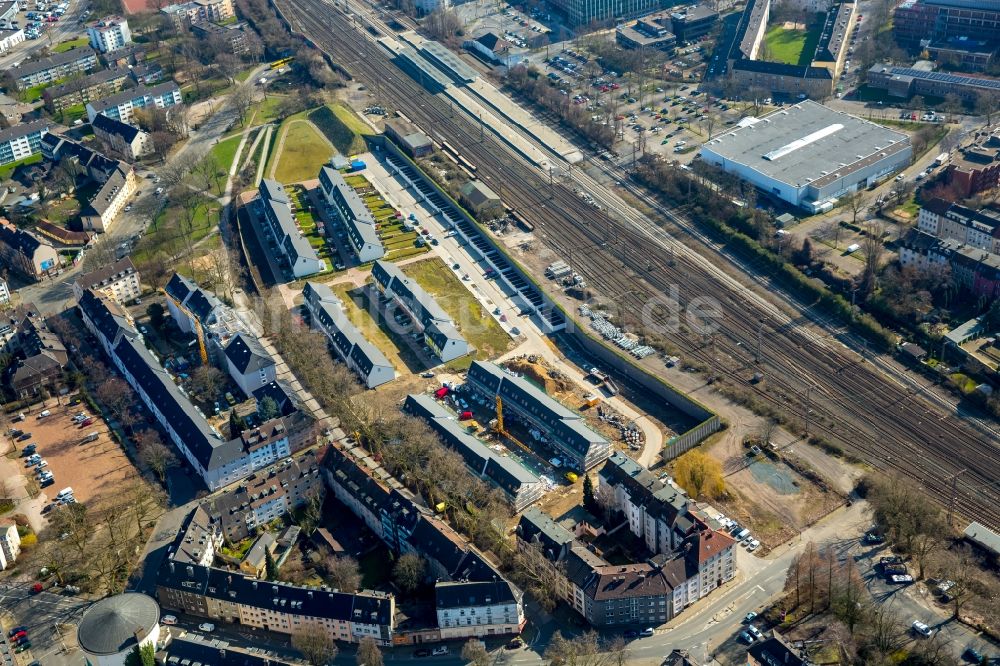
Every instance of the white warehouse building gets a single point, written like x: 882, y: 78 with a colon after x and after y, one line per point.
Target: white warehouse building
x: 808, y: 155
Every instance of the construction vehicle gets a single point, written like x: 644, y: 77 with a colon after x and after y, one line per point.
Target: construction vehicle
x: 199, y: 332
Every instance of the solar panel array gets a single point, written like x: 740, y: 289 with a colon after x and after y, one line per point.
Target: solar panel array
x: 947, y: 78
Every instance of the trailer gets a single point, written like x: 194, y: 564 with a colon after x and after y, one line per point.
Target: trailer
x: 940, y: 159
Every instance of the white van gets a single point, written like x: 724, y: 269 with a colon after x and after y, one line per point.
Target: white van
x: 64, y: 492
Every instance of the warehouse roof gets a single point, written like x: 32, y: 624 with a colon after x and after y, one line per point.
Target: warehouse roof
x: 806, y: 142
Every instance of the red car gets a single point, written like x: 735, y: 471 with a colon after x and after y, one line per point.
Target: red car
x: 86, y: 422
x: 19, y: 635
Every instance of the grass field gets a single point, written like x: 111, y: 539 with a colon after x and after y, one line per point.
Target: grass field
x: 8, y: 169
x: 359, y: 312
x: 302, y: 151
x: 342, y: 127
x: 168, y: 236
x: 266, y: 111
x: 70, y: 44
x: 793, y: 47
x: 476, y: 325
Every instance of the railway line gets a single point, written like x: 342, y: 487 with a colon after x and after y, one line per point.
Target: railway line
x: 812, y: 376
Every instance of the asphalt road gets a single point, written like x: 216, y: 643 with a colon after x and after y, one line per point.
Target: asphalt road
x: 42, y: 613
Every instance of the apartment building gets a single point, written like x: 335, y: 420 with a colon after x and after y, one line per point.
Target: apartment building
x: 26, y: 254
x: 4, y: 292
x: 265, y: 495
x: 39, y: 354
x: 521, y: 487
x: 585, y: 12
x: 979, y: 229
x: 120, y: 281
x: 116, y: 179
x: 126, y: 140
x: 643, y: 594
x: 10, y: 543
x: 472, y: 598
x: 231, y: 597
x: 197, y: 11
x: 238, y: 36
x: 326, y: 314
x: 566, y: 431
x: 275, y: 207
x: 85, y: 88
x: 219, y: 462
x: 355, y: 216
x: 123, y: 105
x: 22, y: 140
x: 109, y: 34
x: 439, y: 331
x: 199, y: 539
x: 248, y: 363
x: 974, y: 269
x: 54, y: 67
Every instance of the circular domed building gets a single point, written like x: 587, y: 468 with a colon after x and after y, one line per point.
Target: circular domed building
x: 111, y: 628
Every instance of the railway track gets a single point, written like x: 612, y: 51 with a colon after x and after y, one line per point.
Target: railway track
x: 812, y: 376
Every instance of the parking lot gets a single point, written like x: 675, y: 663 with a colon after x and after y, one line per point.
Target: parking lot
x: 94, y: 469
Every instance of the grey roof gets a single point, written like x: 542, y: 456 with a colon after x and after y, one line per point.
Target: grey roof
x: 952, y: 79
x: 554, y: 539
x: 983, y: 536
x: 247, y: 355
x: 360, y: 222
x: 116, y: 127
x: 448, y: 62
x: 466, y: 594
x: 364, y: 607
x: 349, y: 341
x: 131, y: 94
x: 195, y: 649
x: 110, y: 626
x: 23, y: 129
x: 109, y: 190
x: 391, y: 278
x: 84, y: 82
x: 783, y: 69
x: 478, y: 194
x: 276, y: 200
x: 802, y: 143
x: 107, y: 275
x: 54, y: 60
x: 502, y: 471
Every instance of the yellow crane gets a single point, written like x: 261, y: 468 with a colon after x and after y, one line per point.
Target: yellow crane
x: 199, y: 333
x: 502, y: 431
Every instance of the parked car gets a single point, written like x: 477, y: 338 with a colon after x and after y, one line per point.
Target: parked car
x: 750, y: 617
x: 648, y: 631
x: 440, y: 650
x: 755, y: 632
x: 169, y: 620
x: 746, y: 637
x: 921, y: 629
x: 206, y: 626
x: 13, y: 632
x: 422, y: 652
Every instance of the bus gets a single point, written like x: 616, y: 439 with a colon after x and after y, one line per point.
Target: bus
x: 278, y: 64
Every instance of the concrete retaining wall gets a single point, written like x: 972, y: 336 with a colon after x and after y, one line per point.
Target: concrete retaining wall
x: 608, y: 358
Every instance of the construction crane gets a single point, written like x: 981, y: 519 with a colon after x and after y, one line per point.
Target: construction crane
x: 499, y: 428
x: 198, y: 331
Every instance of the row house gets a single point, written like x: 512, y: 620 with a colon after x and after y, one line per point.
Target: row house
x: 565, y: 430
x: 326, y: 314
x: 119, y: 280
x: 472, y: 597
x: 976, y: 228
x: 440, y: 332
x: 232, y: 597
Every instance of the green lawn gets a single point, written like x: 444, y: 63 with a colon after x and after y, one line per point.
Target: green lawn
x: 72, y: 113
x: 785, y: 45
x: 70, y: 44
x: 302, y: 152
x: 266, y: 111
x: 476, y: 325
x: 8, y: 169
x: 342, y: 127
x: 359, y: 312
x: 34, y: 93
x: 169, y: 235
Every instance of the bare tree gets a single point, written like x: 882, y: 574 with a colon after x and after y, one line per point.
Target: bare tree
x: 474, y: 652
x: 409, y: 572
x: 872, y: 246
x: 343, y: 572
x: 208, y: 381
x: 316, y: 646
x: 369, y: 653
x: 154, y: 453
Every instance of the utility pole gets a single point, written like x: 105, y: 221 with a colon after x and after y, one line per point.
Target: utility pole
x: 954, y: 493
